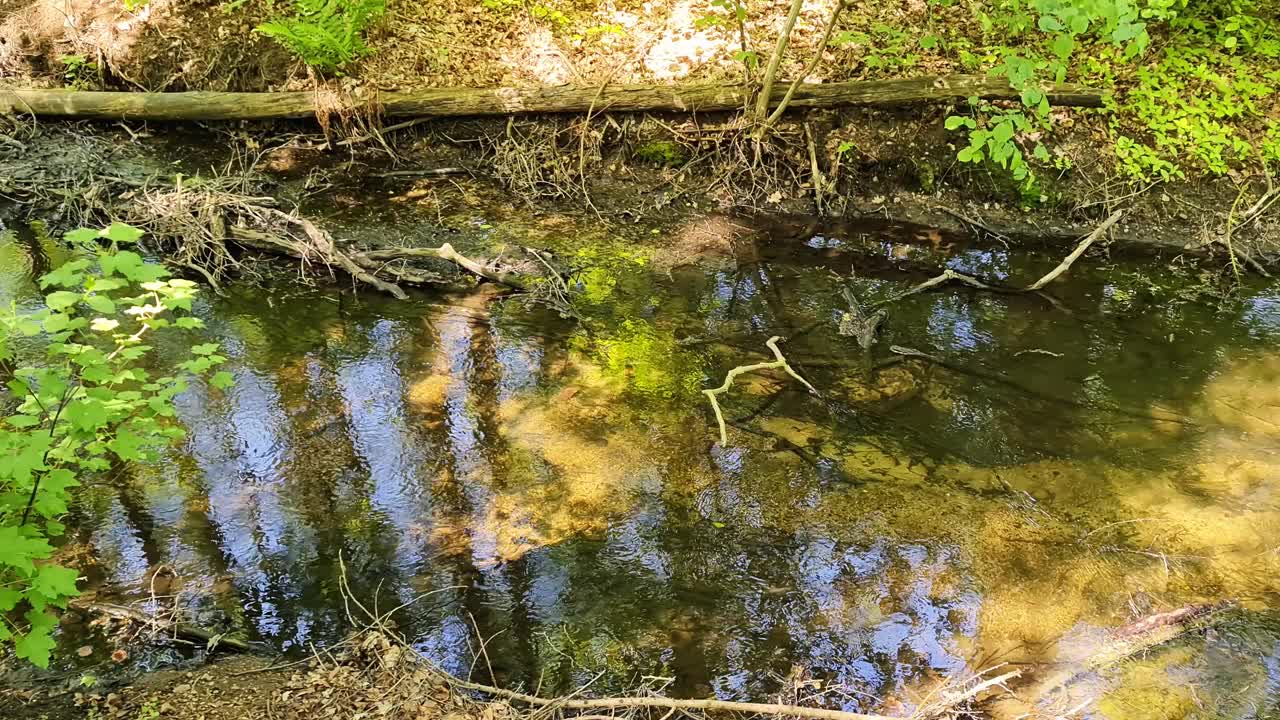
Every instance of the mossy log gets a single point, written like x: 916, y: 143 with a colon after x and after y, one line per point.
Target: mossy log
x: 463, y: 102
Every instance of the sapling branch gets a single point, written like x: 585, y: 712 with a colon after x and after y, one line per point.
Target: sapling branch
x: 808, y: 70
x: 771, y: 71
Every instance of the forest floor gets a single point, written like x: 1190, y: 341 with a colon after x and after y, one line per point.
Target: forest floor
x: 1201, y: 102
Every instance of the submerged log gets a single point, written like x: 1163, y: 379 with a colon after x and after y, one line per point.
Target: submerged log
x: 462, y: 102
x: 1130, y: 640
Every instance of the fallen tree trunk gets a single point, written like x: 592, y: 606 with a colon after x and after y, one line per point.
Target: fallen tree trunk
x: 462, y: 102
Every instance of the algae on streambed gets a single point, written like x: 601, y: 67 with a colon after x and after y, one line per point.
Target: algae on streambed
x: 1061, y: 468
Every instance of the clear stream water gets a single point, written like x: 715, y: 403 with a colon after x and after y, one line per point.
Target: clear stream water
x: 1065, y: 464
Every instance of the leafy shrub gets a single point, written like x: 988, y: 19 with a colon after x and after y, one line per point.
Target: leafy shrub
x: 327, y: 34
x: 82, y: 405
x: 1210, y: 72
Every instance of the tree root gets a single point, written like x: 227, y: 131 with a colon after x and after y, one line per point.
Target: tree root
x: 779, y: 362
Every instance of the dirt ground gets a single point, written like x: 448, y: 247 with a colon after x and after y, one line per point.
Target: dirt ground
x: 369, y: 677
x: 204, y: 45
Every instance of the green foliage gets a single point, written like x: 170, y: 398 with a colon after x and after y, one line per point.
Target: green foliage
x: 78, y: 72
x: 326, y: 34
x: 1189, y: 99
x: 133, y: 5
x: 86, y: 403
x: 888, y: 48
x: 537, y: 10
x: 1182, y: 107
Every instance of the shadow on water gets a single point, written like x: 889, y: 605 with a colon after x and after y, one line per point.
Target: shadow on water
x: 1056, y: 468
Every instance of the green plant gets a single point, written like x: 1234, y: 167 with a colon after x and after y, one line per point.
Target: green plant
x: 132, y: 5
x: 1182, y: 107
x: 536, y: 10
x: 326, y: 34
x: 78, y: 72
x: 83, y: 404
x: 149, y: 711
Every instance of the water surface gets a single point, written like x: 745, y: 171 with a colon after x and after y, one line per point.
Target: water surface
x: 1063, y: 464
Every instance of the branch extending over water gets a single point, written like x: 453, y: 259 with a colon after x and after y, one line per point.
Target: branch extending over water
x: 950, y: 275
x: 779, y: 362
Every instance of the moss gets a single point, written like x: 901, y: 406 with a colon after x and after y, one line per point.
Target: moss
x: 663, y: 153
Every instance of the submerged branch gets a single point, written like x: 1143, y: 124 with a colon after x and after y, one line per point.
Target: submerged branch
x: 705, y: 705
x: 175, y: 627
x: 779, y: 362
x: 1132, y: 639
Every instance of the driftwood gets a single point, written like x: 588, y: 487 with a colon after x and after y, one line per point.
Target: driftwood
x: 173, y: 628
x: 857, y: 323
x: 462, y: 102
x: 778, y: 362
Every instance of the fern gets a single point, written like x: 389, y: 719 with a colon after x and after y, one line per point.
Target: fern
x: 326, y: 34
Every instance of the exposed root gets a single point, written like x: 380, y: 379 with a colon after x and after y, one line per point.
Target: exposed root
x: 203, y: 223
x: 549, y: 158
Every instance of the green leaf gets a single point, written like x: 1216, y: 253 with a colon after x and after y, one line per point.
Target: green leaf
x: 1050, y: 24
x: 124, y: 263
x: 189, y: 323
x: 56, y: 322
x: 955, y: 122
x: 127, y: 445
x: 1063, y: 45
x: 61, y: 299
x: 36, y: 645
x: 19, y: 551
x: 103, y: 325
x: 22, y: 421
x: 86, y: 415
x: 82, y: 236
x: 205, y: 349
x: 222, y: 380
x: 101, y: 303
x: 121, y: 233
x: 55, y: 582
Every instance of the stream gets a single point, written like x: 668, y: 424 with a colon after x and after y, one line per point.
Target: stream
x: 1060, y: 465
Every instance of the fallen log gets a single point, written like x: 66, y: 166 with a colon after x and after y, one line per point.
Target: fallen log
x: 463, y: 102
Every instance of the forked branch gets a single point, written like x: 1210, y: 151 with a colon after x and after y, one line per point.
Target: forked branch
x: 780, y: 362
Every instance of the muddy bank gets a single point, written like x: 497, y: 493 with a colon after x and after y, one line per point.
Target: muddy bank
x: 652, y: 171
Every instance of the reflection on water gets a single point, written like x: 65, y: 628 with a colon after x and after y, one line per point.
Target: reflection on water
x: 1056, y: 468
